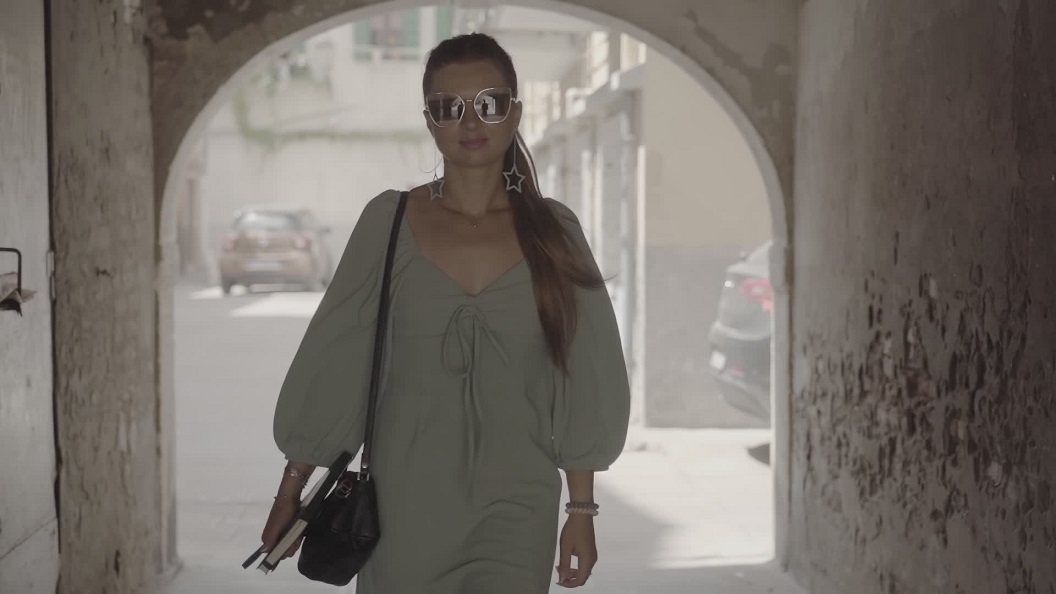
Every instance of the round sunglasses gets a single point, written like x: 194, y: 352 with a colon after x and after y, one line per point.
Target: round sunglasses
x: 492, y: 105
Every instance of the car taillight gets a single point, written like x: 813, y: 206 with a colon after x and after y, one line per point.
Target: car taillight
x: 302, y: 243
x: 759, y: 289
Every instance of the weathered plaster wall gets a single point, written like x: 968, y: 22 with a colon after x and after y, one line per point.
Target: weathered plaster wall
x: 924, y: 455
x: 103, y: 220
x: 29, y: 557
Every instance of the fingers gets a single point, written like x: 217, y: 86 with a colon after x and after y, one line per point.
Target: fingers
x: 279, y: 519
x: 576, y: 578
x: 570, y: 577
x: 267, y: 540
x: 584, y: 567
x: 270, y: 535
x: 564, y: 567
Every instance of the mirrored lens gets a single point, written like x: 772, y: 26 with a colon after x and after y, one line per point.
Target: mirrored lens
x: 493, y: 105
x: 445, y: 108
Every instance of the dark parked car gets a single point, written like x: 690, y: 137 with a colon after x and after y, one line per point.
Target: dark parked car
x: 740, y: 337
x: 275, y: 245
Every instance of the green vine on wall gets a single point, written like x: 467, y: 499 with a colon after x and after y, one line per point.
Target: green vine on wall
x: 272, y: 139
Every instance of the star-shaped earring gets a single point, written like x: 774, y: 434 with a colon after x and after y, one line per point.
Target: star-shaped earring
x: 511, y: 175
x: 436, y: 189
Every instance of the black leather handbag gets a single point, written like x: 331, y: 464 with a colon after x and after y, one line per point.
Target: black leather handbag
x: 339, y: 540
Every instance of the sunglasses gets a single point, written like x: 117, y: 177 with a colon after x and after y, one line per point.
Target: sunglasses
x: 492, y: 105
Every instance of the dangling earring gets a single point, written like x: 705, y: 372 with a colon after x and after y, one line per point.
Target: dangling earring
x: 436, y: 187
x: 513, y: 173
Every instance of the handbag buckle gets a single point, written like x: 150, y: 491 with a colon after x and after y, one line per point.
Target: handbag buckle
x: 344, y: 488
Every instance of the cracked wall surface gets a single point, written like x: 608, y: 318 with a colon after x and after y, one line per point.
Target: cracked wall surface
x: 29, y: 556
x: 103, y: 219
x: 924, y: 455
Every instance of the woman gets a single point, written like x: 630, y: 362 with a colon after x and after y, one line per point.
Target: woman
x: 504, y: 362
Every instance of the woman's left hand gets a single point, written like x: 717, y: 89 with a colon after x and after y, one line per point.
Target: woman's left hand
x: 577, y: 540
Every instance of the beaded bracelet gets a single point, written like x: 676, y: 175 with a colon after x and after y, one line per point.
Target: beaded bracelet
x: 581, y: 507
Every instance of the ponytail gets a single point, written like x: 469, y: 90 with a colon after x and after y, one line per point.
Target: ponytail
x: 552, y: 256
x: 554, y: 260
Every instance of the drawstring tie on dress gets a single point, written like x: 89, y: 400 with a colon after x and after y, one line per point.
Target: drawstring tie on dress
x: 461, y: 355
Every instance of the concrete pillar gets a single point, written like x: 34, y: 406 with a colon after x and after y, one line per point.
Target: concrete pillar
x: 105, y: 270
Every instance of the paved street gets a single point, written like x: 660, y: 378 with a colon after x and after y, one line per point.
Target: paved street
x: 683, y: 511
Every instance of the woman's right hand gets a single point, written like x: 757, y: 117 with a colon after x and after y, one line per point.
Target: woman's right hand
x: 283, y: 512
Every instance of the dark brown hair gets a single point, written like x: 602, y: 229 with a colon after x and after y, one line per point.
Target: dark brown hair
x: 555, y: 262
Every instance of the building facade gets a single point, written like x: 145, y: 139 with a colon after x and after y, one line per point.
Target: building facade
x: 670, y: 195
x: 328, y: 125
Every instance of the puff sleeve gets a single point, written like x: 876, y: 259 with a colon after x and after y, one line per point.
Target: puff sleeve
x: 592, y: 401
x: 321, y: 408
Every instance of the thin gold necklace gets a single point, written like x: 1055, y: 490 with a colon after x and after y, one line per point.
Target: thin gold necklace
x: 474, y: 223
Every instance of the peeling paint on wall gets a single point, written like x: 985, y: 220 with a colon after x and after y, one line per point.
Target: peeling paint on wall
x: 133, y: 9
x: 770, y: 82
x: 924, y: 452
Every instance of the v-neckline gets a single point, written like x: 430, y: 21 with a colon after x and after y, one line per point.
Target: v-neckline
x: 406, y: 225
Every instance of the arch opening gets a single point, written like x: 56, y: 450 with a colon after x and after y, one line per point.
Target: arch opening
x: 775, y: 194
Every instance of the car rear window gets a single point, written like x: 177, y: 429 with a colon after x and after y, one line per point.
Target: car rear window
x: 266, y: 221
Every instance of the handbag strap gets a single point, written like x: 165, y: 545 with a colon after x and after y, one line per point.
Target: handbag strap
x: 379, y: 338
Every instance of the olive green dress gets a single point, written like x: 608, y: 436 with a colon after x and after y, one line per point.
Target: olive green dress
x: 474, y: 420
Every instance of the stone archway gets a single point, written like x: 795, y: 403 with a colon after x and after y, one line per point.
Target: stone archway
x: 745, y: 54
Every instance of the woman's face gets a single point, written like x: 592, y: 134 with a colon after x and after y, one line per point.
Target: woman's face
x: 471, y: 142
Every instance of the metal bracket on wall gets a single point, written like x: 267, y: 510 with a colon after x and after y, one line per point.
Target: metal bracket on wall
x: 12, y: 295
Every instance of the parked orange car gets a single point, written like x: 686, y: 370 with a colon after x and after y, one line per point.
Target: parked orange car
x: 275, y: 245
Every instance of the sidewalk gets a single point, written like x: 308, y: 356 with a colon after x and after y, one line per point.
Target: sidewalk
x: 683, y: 512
